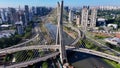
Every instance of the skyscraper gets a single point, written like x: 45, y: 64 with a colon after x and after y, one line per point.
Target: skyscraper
x: 78, y: 20
x: 12, y: 15
x: 1, y: 21
x: 66, y: 8
x: 33, y: 10
x: 93, y: 18
x: 3, y: 15
x: 84, y: 18
x: 19, y: 26
x: 26, y: 14
x: 71, y: 16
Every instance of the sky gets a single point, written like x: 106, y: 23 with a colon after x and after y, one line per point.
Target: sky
x: 52, y: 3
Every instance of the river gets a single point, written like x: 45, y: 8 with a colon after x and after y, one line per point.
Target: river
x: 78, y: 59
x: 53, y: 30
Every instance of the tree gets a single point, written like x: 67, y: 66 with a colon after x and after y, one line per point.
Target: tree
x: 45, y: 65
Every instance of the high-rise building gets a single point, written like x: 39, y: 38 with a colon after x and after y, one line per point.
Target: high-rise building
x: 19, y: 26
x: 26, y: 14
x: 84, y: 18
x: 30, y: 15
x: 3, y: 15
x: 78, y: 20
x: 66, y: 8
x: 12, y: 15
x: 21, y: 14
x: 71, y: 16
x: 33, y: 10
x: 1, y: 20
x: 41, y: 11
x: 26, y: 9
x: 93, y: 18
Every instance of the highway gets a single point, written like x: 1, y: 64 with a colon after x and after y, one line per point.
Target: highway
x: 25, y: 64
x: 21, y: 47
x: 100, y: 54
x: 78, y: 36
x: 12, y: 50
x: 24, y: 43
x: 103, y: 46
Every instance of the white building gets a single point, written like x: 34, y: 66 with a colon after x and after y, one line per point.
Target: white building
x: 71, y: 16
x: 93, y: 18
x: 109, y: 7
x: 5, y: 26
x: 19, y: 26
x: 78, y: 20
x: 115, y: 26
x: 84, y: 18
x: 7, y: 33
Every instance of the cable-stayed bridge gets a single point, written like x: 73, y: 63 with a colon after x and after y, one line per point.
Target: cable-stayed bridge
x: 58, y: 49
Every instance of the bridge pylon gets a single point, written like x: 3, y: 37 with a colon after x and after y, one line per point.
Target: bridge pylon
x: 59, y: 36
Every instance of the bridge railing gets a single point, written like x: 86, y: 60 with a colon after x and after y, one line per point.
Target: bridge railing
x: 22, y: 44
x: 31, y: 62
x: 8, y: 51
x: 100, y: 54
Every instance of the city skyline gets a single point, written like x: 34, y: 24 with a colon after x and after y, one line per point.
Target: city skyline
x: 52, y: 3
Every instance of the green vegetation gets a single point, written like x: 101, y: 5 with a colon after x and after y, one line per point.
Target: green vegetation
x: 112, y: 16
x: 45, y: 65
x: 28, y: 30
x: 25, y: 55
x: 69, y: 30
x: 90, y: 45
x: 13, y: 40
x: 108, y: 14
x: 113, y: 47
x: 8, y: 58
x: 114, y: 64
x: 100, y: 37
x: 45, y: 32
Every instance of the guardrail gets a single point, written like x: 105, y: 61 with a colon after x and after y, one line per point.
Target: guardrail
x: 100, y: 54
x: 21, y: 44
x: 25, y: 64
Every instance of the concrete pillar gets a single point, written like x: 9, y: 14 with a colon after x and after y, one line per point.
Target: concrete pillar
x: 59, y: 38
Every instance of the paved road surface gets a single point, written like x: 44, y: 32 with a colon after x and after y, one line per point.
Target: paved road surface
x: 90, y: 62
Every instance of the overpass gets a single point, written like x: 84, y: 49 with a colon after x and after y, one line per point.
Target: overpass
x: 57, y: 46
x: 25, y: 64
x: 78, y: 36
x: 100, y: 44
x: 100, y: 54
x: 97, y: 53
x: 12, y: 50
x: 24, y: 43
x: 103, y: 46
